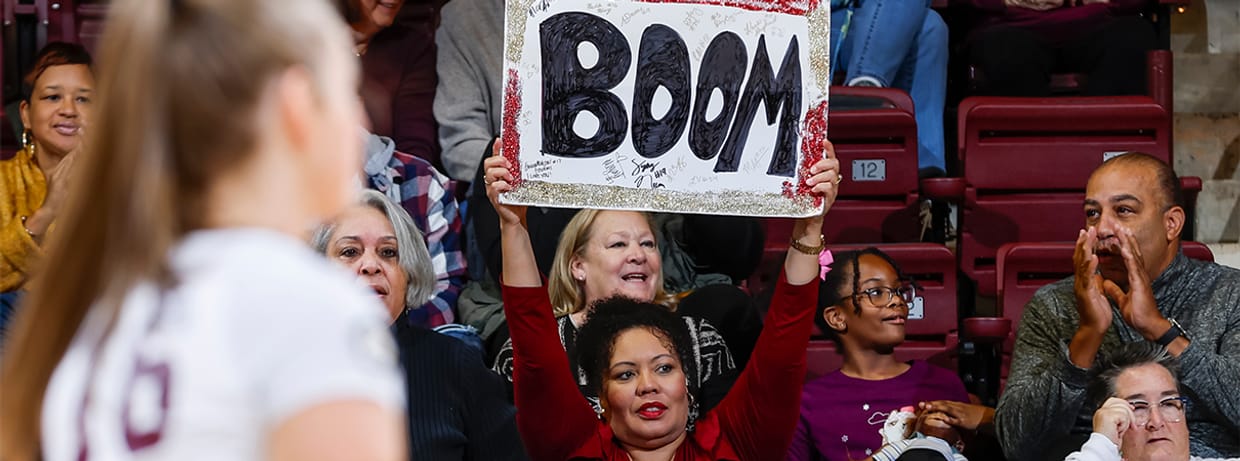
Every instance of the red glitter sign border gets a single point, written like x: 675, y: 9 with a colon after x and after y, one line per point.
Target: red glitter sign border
x: 815, y: 123
x: 511, y: 135
x: 794, y: 7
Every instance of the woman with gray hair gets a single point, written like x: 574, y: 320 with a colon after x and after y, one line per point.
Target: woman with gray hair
x: 456, y: 408
x: 1141, y: 417
x: 378, y: 240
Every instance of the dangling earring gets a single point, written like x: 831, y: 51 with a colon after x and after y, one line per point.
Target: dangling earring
x: 27, y: 141
x: 691, y: 424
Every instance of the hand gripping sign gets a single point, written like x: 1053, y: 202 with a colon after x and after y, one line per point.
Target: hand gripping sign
x: 696, y: 106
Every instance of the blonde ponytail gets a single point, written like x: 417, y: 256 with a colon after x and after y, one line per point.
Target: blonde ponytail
x: 179, y: 86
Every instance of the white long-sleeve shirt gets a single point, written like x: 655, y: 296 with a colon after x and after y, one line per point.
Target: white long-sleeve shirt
x: 1100, y: 448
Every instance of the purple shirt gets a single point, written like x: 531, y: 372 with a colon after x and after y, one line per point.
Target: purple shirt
x: 841, y: 416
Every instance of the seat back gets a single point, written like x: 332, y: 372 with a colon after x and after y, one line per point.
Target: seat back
x: 875, y: 138
x: 1026, y: 161
x: 1025, y: 267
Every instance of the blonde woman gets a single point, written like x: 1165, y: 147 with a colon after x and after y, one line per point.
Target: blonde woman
x: 603, y: 253
x: 186, y: 318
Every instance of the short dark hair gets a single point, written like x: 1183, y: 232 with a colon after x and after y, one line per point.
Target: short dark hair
x: 1127, y: 357
x: 610, y: 317
x: 1167, y: 181
x: 846, y: 267
x: 54, y: 54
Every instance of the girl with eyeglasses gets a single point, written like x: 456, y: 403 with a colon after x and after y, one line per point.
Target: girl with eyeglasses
x: 863, y: 304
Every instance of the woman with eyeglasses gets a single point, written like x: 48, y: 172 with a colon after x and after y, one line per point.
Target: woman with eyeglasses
x: 1142, y: 412
x: 863, y: 303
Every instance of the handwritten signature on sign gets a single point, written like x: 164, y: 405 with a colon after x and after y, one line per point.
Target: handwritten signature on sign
x: 539, y: 7
x: 647, y: 174
x: 693, y: 19
x: 628, y: 17
x: 612, y: 170
x: 539, y: 169
x: 602, y: 8
x: 721, y: 19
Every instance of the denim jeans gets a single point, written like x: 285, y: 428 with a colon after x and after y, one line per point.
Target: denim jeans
x: 8, y: 307
x: 902, y: 44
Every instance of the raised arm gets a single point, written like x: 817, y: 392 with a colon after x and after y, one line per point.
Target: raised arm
x: 556, y: 418
x: 759, y: 415
x: 519, y: 267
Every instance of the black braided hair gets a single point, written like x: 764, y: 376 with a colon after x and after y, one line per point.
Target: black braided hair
x: 829, y: 290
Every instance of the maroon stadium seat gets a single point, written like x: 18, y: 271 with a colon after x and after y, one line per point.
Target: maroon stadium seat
x: 1025, y: 162
x: 875, y: 138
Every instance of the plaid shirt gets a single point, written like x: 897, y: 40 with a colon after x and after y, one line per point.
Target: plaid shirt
x: 425, y: 195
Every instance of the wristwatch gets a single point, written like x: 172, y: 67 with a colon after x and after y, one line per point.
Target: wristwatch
x: 1175, y: 331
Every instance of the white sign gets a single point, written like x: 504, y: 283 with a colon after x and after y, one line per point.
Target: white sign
x: 699, y: 106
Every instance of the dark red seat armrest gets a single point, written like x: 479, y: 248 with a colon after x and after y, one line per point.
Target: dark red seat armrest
x: 1159, y: 70
x: 943, y: 188
x: 890, y: 97
x: 1190, y: 184
x: 987, y: 329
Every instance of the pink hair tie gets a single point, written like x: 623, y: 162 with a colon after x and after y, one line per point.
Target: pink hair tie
x: 824, y: 262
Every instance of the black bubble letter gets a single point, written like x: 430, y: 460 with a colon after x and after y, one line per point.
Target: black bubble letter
x: 723, y: 67
x: 569, y: 88
x: 662, y: 60
x: 775, y: 93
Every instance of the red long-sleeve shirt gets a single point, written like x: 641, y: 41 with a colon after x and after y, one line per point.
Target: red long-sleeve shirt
x: 754, y: 422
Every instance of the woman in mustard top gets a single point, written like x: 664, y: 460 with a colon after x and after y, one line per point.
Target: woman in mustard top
x: 55, y: 112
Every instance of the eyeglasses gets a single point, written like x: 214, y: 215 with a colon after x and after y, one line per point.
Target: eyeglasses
x: 1171, y: 409
x: 882, y: 296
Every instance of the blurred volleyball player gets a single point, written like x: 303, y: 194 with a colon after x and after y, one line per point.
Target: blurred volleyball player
x: 178, y: 315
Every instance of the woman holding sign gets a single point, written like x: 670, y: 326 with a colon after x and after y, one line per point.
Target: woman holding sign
x: 596, y: 259
x: 638, y: 362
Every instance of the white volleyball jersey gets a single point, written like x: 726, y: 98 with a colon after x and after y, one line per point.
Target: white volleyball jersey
x: 257, y: 328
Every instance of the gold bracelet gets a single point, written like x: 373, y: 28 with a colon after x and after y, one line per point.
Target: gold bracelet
x: 809, y: 250
x: 27, y: 229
